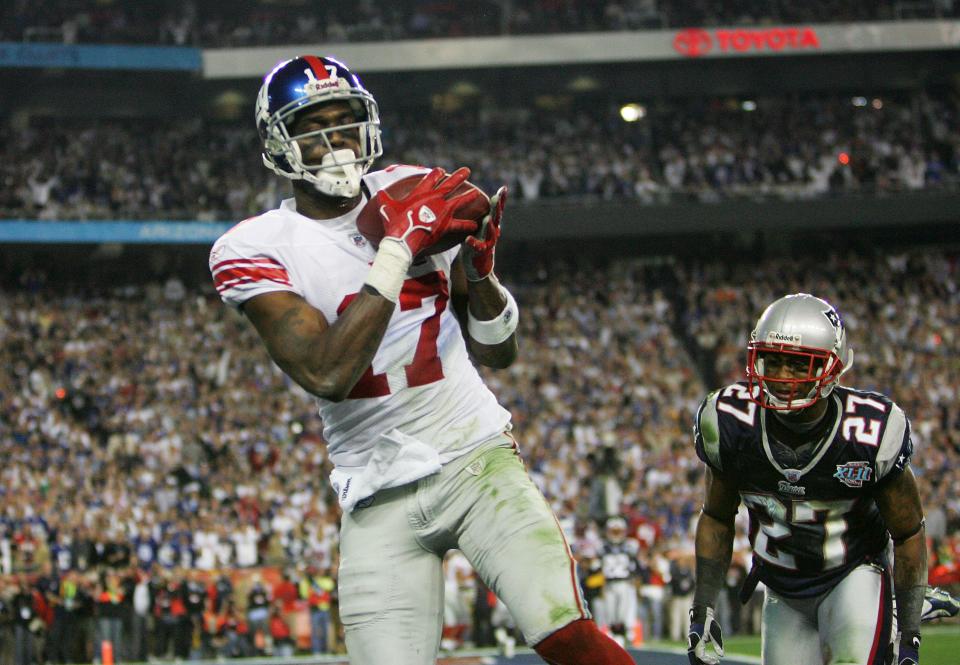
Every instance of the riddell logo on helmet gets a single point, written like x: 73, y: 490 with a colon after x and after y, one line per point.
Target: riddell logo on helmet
x: 315, y: 85
x: 774, y: 337
x: 695, y: 42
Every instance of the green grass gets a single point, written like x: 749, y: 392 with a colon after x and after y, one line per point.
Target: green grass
x: 941, y: 645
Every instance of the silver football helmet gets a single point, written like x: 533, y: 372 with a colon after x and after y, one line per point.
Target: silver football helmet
x: 616, y: 528
x: 808, y: 330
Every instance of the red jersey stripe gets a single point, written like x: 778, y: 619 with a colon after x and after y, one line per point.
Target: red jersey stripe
x: 229, y: 284
x: 252, y: 273
x: 226, y: 286
x: 261, y: 261
x: 878, y: 643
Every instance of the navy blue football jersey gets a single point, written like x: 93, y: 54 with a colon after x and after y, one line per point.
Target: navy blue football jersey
x: 619, y: 560
x: 809, y: 526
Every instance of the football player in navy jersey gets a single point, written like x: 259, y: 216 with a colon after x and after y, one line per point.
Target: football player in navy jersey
x: 618, y: 557
x: 824, y: 472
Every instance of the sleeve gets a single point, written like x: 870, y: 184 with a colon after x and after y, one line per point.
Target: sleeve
x: 706, y: 432
x: 896, y: 446
x: 241, y: 271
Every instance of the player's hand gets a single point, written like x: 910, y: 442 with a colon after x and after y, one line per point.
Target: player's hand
x: 477, y: 251
x: 705, y: 640
x: 422, y: 217
x: 909, y: 650
x: 938, y: 604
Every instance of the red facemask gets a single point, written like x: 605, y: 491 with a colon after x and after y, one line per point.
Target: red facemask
x: 791, y: 391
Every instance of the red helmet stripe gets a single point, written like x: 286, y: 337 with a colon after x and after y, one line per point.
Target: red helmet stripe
x: 316, y: 64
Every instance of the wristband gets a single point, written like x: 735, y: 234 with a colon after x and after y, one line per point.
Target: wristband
x: 389, y: 269
x: 499, y: 329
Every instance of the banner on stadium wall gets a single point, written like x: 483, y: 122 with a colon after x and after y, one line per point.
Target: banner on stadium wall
x: 596, y: 47
x: 74, y: 56
x: 159, y: 233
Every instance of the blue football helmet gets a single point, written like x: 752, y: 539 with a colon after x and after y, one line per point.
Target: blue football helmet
x: 304, y: 82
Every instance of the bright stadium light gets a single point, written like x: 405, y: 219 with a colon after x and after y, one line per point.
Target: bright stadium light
x: 748, y: 105
x: 859, y: 101
x: 633, y: 112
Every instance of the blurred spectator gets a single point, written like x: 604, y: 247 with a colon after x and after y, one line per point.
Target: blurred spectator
x: 705, y: 150
x: 24, y: 616
x: 253, y: 22
x: 280, y: 634
x: 114, y: 436
x: 318, y: 588
x: 258, y: 612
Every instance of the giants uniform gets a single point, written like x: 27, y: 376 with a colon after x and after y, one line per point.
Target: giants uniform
x: 421, y: 383
x: 423, y: 459
x: 817, y: 534
x: 620, y: 569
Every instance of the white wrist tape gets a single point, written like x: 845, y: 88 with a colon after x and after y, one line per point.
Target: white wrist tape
x: 496, y: 330
x: 389, y: 269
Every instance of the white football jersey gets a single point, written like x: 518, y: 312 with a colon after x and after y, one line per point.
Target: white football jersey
x: 421, y: 381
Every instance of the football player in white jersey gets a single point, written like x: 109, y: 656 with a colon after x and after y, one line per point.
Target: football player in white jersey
x: 824, y: 472
x: 423, y: 457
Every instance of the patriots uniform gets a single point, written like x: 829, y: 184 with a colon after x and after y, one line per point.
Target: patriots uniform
x: 620, y: 568
x: 619, y: 560
x: 809, y: 526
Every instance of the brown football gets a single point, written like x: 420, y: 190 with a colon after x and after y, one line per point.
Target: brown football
x: 370, y: 223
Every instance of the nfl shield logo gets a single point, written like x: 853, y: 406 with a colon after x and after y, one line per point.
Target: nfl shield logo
x: 358, y: 240
x: 854, y: 474
x: 792, y: 475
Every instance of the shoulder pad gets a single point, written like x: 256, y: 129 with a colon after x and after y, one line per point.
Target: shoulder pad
x: 896, y: 447
x: 707, y: 430
x: 244, y: 262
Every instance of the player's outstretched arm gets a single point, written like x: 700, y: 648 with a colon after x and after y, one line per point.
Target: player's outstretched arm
x: 326, y: 360
x: 714, y: 548
x: 899, y: 503
x: 486, y: 310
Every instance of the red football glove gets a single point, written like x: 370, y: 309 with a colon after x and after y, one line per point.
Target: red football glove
x: 425, y: 215
x: 478, y: 249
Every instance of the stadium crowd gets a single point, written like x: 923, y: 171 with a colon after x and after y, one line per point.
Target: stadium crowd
x: 253, y: 23
x: 165, y: 483
x: 703, y: 151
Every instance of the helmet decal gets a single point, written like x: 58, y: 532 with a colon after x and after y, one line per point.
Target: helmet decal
x: 309, y: 81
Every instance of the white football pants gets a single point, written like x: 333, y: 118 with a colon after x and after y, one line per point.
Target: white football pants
x: 485, y: 504
x: 848, y: 624
x: 620, y: 603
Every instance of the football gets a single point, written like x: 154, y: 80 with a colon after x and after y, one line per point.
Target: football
x: 370, y: 222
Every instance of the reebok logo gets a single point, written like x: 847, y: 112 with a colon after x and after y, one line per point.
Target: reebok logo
x: 787, y: 488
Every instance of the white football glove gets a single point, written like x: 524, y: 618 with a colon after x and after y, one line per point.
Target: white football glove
x: 705, y: 640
